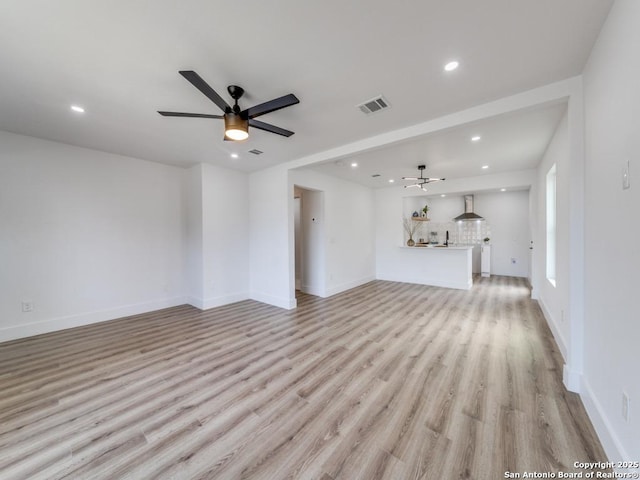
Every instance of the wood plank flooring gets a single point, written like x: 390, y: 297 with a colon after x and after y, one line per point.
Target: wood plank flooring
x: 385, y: 381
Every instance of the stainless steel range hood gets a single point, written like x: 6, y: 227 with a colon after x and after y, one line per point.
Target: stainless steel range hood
x: 468, y: 214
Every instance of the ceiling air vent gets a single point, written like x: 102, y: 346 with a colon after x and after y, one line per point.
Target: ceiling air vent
x: 255, y: 151
x: 375, y: 175
x: 374, y: 105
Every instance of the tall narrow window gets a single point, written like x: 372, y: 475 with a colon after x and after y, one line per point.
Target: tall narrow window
x: 551, y: 225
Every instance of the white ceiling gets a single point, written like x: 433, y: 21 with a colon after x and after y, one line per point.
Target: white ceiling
x: 515, y: 141
x: 119, y: 59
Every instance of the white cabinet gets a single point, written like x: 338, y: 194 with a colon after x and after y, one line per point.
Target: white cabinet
x: 485, y: 260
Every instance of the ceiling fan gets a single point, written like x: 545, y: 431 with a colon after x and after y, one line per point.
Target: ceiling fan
x: 236, y: 121
x: 421, y: 181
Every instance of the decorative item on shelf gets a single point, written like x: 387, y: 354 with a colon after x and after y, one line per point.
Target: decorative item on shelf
x: 415, y: 214
x: 411, y: 228
x: 425, y: 210
x: 486, y: 239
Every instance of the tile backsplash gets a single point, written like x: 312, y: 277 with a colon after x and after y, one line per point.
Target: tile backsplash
x: 460, y: 233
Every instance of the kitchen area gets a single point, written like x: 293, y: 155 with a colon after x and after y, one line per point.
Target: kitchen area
x: 459, y: 235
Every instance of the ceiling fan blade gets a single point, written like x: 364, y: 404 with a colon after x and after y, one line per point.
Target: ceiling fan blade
x: 410, y: 186
x: 271, y: 106
x: 411, y: 178
x: 267, y: 127
x: 431, y: 180
x: 194, y: 115
x: 204, y: 87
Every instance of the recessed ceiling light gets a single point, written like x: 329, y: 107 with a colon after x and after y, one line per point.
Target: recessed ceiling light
x: 77, y: 109
x: 234, y: 155
x: 354, y: 164
x: 503, y: 189
x: 391, y: 180
x: 451, y: 66
x: 442, y: 195
x: 476, y: 138
x: 484, y: 167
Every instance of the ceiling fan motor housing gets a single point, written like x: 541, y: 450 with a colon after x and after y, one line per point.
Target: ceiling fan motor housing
x: 235, y: 91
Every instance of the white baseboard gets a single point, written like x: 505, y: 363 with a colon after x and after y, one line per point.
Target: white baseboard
x: 62, y: 323
x: 313, y: 290
x: 327, y: 292
x: 286, y: 303
x: 435, y: 282
x: 212, y: 302
x: 571, y: 379
x: 553, y: 326
x: 609, y: 440
x: 349, y: 285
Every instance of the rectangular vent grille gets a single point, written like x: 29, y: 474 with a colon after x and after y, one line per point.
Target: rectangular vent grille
x: 374, y: 105
x: 375, y: 175
x: 255, y: 151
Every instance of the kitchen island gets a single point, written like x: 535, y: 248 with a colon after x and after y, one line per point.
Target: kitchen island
x: 434, y: 265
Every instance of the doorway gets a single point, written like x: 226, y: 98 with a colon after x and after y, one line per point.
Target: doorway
x: 309, y: 241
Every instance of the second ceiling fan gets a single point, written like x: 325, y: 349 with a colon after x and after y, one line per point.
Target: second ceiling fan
x: 236, y: 121
x: 422, y: 181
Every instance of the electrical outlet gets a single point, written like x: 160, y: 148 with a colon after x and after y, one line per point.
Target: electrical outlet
x: 27, y: 306
x: 625, y: 406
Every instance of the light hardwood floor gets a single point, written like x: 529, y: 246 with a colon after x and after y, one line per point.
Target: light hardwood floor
x: 388, y: 380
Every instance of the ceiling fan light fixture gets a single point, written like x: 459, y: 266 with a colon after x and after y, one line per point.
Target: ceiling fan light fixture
x: 235, y: 127
x: 421, y: 181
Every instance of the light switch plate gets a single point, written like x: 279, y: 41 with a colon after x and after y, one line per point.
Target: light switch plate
x: 626, y: 181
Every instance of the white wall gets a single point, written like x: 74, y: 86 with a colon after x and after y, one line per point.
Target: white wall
x: 347, y: 218
x: 554, y: 300
x: 612, y: 230
x: 85, y: 235
x: 193, y: 266
x: 507, y: 215
x: 271, y: 246
x: 225, y: 236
